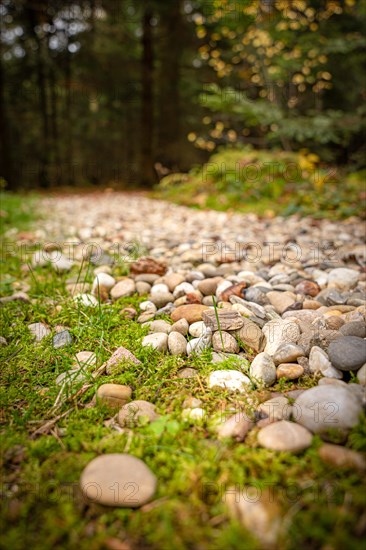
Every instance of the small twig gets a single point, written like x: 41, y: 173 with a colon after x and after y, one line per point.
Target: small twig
x: 47, y: 426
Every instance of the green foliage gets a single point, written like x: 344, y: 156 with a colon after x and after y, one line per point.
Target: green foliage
x: 268, y: 181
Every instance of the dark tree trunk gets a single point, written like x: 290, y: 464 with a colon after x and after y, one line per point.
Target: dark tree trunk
x: 5, y: 159
x: 171, y: 47
x: 147, y: 174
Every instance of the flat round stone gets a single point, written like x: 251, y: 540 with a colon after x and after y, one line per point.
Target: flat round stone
x: 285, y: 436
x: 118, y: 480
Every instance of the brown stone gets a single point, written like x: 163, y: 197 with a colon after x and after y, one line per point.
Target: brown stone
x: 234, y: 290
x: 148, y: 265
x: 114, y: 395
x: 289, y: 370
x: 308, y: 288
x: 191, y: 312
x: 341, y: 457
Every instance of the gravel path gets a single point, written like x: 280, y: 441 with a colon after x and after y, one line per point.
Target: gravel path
x: 180, y: 234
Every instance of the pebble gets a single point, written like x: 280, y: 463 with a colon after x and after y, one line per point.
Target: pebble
x: 180, y: 326
x: 123, y: 289
x: 114, y: 395
x: 187, y: 372
x: 197, y: 345
x: 3, y: 341
x: 209, y: 286
x: 263, y: 370
x: 231, y: 380
x: 222, y: 319
x: 172, y: 280
x: 319, y: 363
x: 103, y: 280
x: 291, y: 371
x: 327, y: 408
x: 278, y: 332
x: 354, y: 328
x: 39, y: 331
x: 361, y: 375
x: 177, y: 344
x: 119, y: 480
x: 195, y: 414
x: 149, y: 265
x: 251, y: 335
x: 148, y: 306
x: 343, y: 278
x: 236, y: 427
x: 159, y: 326
x: 143, y: 288
x: 280, y: 301
x: 287, y: 353
x: 59, y: 262
x: 62, y: 339
x: 277, y: 408
x: 223, y: 341
x: 85, y: 359
x: 348, y: 353
x: 87, y: 300
x: 285, y: 436
x: 119, y: 359
x: 308, y: 288
x: 135, y: 412
x: 157, y: 341
x: 341, y: 457
x: 192, y: 313
x: 260, y: 516
x: 197, y: 329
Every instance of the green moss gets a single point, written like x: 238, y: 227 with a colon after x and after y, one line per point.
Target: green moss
x: 42, y: 507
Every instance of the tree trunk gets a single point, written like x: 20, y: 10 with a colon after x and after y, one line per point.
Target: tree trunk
x: 147, y: 174
x: 170, y: 48
x: 5, y: 159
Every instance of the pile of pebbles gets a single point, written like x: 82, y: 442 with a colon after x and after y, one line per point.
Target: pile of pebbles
x: 280, y: 299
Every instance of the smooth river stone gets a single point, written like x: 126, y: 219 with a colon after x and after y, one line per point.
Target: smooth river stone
x: 119, y: 480
x: 232, y: 380
x: 192, y: 313
x: 326, y: 408
x: 114, y: 395
x: 285, y: 436
x: 347, y: 353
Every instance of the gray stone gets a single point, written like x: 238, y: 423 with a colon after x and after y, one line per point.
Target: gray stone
x: 39, y: 331
x: 62, y: 339
x: 263, y: 370
x: 119, y: 480
x: 326, y: 408
x: 343, y: 278
x: 354, y: 328
x: 278, y: 332
x: 348, y: 353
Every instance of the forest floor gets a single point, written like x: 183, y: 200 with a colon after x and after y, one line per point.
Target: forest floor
x: 51, y: 430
